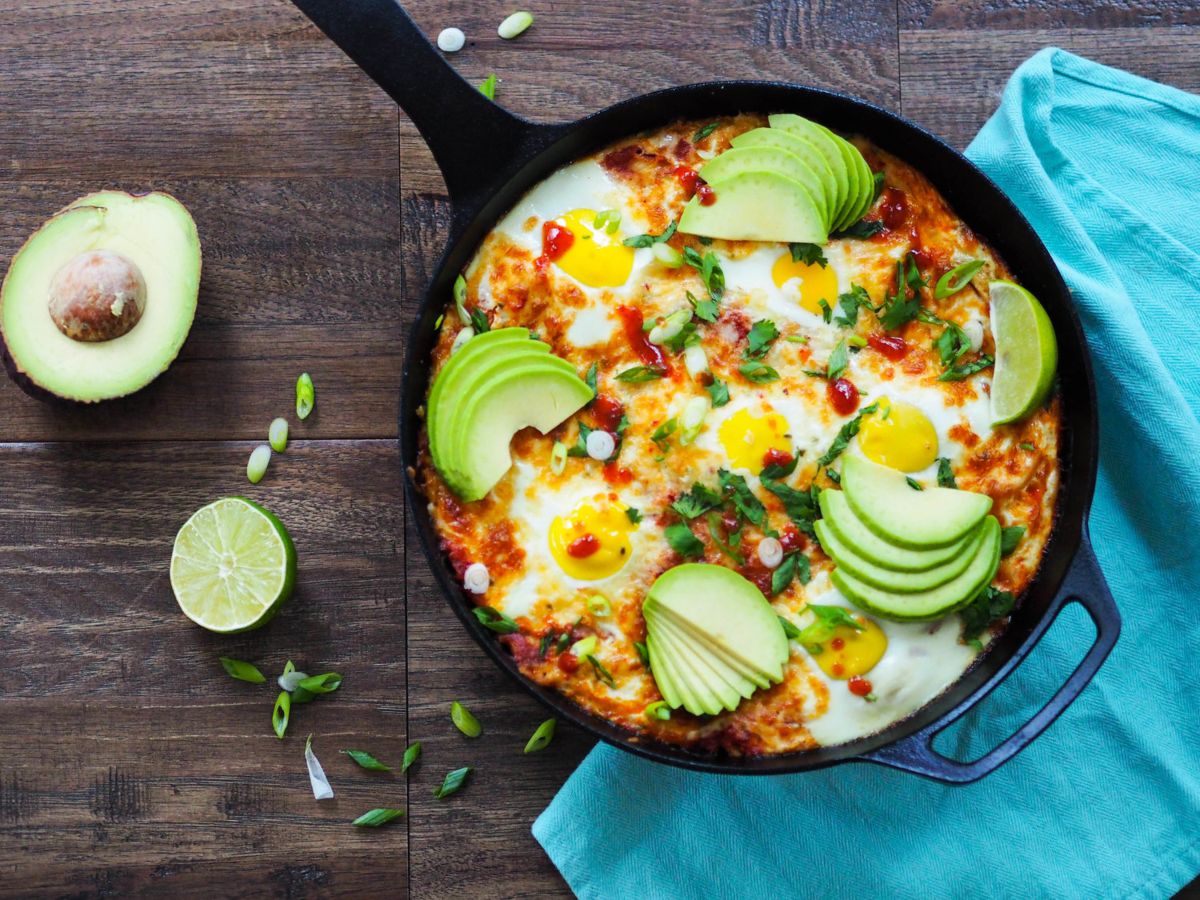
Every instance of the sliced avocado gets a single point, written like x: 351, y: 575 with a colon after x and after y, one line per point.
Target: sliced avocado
x: 541, y: 391
x: 482, y: 355
x: 850, y: 530
x: 862, y: 181
x: 889, y: 579
x: 727, y: 610
x: 767, y: 159
x: 702, y: 696
x: 100, y: 299
x: 707, y: 665
x: 825, y: 144
x: 757, y: 206
x: 797, y: 146
x: 935, y: 603
x: 883, y: 500
x: 719, y: 652
x: 668, y: 680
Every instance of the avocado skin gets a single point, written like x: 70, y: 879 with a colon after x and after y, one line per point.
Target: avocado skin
x: 35, y: 390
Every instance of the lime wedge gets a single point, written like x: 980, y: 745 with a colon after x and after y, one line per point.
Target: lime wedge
x: 1026, y: 352
x: 233, y: 566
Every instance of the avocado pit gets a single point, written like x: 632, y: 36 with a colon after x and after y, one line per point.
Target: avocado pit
x: 98, y: 295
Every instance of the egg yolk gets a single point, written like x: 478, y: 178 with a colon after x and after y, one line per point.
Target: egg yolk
x: 900, y: 436
x: 592, y: 541
x: 748, y: 438
x: 595, y: 258
x: 817, y: 282
x: 851, y: 653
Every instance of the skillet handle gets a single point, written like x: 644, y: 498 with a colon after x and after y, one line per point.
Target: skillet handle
x: 1085, y: 585
x: 474, y: 141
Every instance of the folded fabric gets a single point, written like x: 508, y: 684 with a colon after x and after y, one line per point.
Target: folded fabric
x: 1107, y: 802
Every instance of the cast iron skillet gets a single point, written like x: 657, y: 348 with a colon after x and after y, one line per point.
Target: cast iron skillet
x: 489, y: 158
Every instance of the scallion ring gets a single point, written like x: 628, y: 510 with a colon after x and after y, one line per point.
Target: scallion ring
x: 515, y: 25
x: 658, y: 710
x: 956, y: 279
x: 460, y: 300
x: 277, y: 434
x: 671, y: 326
x: 667, y: 255
x: 256, y: 466
x: 279, y: 716
x: 584, y: 647
x: 306, y: 396
x: 598, y: 605
x: 558, y: 458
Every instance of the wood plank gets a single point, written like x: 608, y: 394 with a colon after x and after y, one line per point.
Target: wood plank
x: 131, y: 762
x: 478, y: 843
x: 951, y: 80
x: 299, y: 275
x: 1045, y: 14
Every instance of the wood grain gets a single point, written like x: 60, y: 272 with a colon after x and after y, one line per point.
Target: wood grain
x: 131, y: 762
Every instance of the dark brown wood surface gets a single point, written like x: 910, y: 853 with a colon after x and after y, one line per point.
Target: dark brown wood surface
x: 129, y: 763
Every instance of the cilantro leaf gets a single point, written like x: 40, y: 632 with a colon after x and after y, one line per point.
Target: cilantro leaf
x: 633, y: 515
x: 479, y: 321
x: 710, y: 271
x: 715, y: 532
x: 801, y: 506
x: 780, y: 470
x: 592, y: 379
x: 989, y: 605
x: 827, y: 619
x: 951, y: 345
x: 743, y: 498
x: 794, y: 565
x: 809, y: 254
x: 850, y: 303
x: 945, y: 474
x: 826, y: 310
x: 1010, y: 537
x: 718, y: 392
x: 845, y: 435
x: 683, y: 542
x: 838, y: 360
x: 699, y: 499
x: 704, y: 310
x: 580, y: 448
x: 762, y: 334
x: 662, y: 434
x: 903, y: 305
x: 958, y: 373
x: 863, y: 228
x: 789, y: 629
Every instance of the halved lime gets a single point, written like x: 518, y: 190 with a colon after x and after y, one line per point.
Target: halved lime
x: 1026, y: 352
x: 233, y: 566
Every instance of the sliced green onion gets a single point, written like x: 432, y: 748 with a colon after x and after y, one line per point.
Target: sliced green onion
x: 242, y: 671
x: 460, y: 300
x: 488, y: 87
x: 796, y: 338
x: 692, y: 419
x: 452, y: 782
x: 558, y: 458
x: 856, y: 340
x: 437, y: 323
x: 695, y: 360
x: 667, y: 255
x: 956, y: 279
x: 279, y: 716
x: 277, y: 434
x: 256, y: 466
x: 306, y: 396
x: 598, y: 605
x: 464, y: 334
x: 290, y: 679
x: 658, y: 710
x: 376, y: 817
x: 411, y: 755
x: 464, y: 721
x: 584, y: 646
x: 322, y: 684
x: 608, y: 219
x: 321, y: 788
x: 671, y: 326
x: 515, y: 25
x: 542, y: 737
x: 367, y: 761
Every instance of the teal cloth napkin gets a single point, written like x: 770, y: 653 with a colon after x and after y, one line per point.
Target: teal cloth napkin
x: 1107, y: 802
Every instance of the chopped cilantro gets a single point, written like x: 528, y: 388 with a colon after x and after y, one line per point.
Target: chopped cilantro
x: 645, y: 240
x: 903, y: 305
x: 827, y: 619
x: 639, y: 374
x: 847, y: 433
x: 826, y: 310
x: 683, y: 542
x: 850, y: 302
x: 633, y: 515
x: 709, y: 269
x: 718, y: 391
x: 728, y: 548
x: 945, y: 474
x: 1010, y: 537
x: 698, y: 500
x: 593, y: 379
x: 743, y: 498
x: 838, y: 360
x: 800, y: 506
x: 789, y: 629
x: 762, y: 334
x: 757, y: 372
x: 794, y: 565
x: 809, y: 254
x: 479, y: 321
x: 662, y: 434
x: 991, y: 604
x: 863, y: 228
x: 704, y: 310
x: 778, y: 470
x: 958, y: 373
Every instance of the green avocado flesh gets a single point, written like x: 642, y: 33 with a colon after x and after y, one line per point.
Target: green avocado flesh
x: 848, y: 529
x: 793, y: 182
x: 938, y: 601
x: 156, y: 234
x: 495, y: 385
x: 868, y: 529
x: 713, y: 638
x: 882, y: 499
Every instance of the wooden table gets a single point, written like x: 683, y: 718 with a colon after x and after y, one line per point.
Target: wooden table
x: 128, y: 761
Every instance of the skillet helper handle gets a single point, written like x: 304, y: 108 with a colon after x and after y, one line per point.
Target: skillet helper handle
x: 1084, y: 585
x: 470, y: 136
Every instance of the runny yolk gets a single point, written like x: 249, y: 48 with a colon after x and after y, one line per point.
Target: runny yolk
x: 900, y: 436
x: 748, y: 438
x: 595, y: 257
x: 816, y: 282
x: 592, y: 541
x: 850, y: 653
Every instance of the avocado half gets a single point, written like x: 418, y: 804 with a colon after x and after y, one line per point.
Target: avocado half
x: 100, y: 299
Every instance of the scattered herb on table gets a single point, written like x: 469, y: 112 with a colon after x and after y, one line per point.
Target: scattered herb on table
x: 452, y: 783
x: 366, y: 761
x: 464, y: 721
x: 376, y: 817
x: 242, y: 671
x: 542, y: 736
